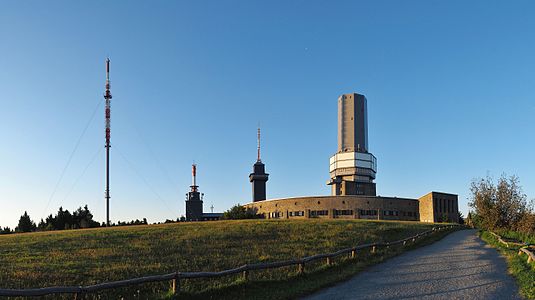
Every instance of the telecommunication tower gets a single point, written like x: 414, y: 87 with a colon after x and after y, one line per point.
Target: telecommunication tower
x: 259, y: 176
x: 107, y: 96
x: 194, y: 208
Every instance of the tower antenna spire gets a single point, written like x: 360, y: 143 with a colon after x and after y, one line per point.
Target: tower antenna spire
x: 194, y: 177
x: 107, y: 96
x: 258, y: 145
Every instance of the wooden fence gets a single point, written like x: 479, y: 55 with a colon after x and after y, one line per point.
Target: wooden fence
x: 175, y: 277
x: 523, y: 248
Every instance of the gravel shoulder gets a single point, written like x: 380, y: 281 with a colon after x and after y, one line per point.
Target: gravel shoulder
x: 460, y: 266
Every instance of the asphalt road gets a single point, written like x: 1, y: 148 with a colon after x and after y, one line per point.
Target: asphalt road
x: 460, y: 266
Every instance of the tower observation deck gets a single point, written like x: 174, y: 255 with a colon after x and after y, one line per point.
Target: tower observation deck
x: 352, y: 169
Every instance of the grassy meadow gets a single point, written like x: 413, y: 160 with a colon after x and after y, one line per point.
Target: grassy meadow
x: 90, y: 256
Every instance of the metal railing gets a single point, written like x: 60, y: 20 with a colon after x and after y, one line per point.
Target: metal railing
x: 175, y: 277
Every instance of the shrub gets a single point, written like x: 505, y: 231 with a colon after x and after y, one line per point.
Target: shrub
x: 239, y: 212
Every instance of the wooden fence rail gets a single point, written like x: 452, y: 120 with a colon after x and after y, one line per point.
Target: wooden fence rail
x: 524, y: 248
x: 175, y: 277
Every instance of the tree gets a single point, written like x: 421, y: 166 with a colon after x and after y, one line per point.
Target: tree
x: 63, y: 220
x: 238, y: 212
x: 527, y: 224
x: 500, y: 206
x: 461, y: 218
x: 25, y: 224
x: 42, y: 226
x: 83, y: 218
x: 6, y: 230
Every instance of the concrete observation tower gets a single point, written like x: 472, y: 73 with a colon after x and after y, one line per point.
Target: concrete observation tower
x: 352, y: 169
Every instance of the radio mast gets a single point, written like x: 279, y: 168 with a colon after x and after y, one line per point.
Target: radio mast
x: 107, y: 96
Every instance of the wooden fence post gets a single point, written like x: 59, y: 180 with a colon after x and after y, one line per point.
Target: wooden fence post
x: 301, y: 269
x: 373, y: 249
x: 329, y: 262
x: 175, y: 285
x: 353, y: 253
x: 245, y: 275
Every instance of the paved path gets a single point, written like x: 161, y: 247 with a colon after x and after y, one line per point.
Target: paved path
x: 460, y: 266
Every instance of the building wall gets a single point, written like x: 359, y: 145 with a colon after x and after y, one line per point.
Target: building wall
x: 426, y: 208
x: 194, y: 209
x: 437, y: 206
x: 345, y: 207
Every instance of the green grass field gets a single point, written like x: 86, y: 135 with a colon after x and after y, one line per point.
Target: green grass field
x: 90, y: 256
x: 523, y: 271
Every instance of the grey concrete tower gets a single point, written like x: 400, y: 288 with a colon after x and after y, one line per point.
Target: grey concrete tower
x: 194, y: 210
x: 259, y: 177
x: 352, y: 169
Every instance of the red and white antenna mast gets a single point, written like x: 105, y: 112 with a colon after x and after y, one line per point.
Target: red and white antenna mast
x: 194, y: 185
x: 107, y: 96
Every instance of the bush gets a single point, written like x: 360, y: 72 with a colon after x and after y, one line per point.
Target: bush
x: 239, y: 212
x: 499, y: 206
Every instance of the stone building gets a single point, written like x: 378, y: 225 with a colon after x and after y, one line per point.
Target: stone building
x: 429, y: 208
x: 352, y: 171
x: 338, y: 207
x: 439, y: 207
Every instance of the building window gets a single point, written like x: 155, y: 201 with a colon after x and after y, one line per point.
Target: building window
x: 343, y: 212
x: 276, y: 214
x: 315, y: 213
x: 368, y: 212
x: 296, y: 213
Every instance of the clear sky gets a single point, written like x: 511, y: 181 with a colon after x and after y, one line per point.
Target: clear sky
x: 450, y: 88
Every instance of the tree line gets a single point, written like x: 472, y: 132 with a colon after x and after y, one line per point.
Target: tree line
x: 83, y: 218
x: 63, y: 220
x: 501, y: 205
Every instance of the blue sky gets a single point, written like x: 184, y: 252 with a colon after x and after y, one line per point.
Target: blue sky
x: 450, y: 88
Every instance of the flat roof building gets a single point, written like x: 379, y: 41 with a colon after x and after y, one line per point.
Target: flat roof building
x: 352, y: 171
